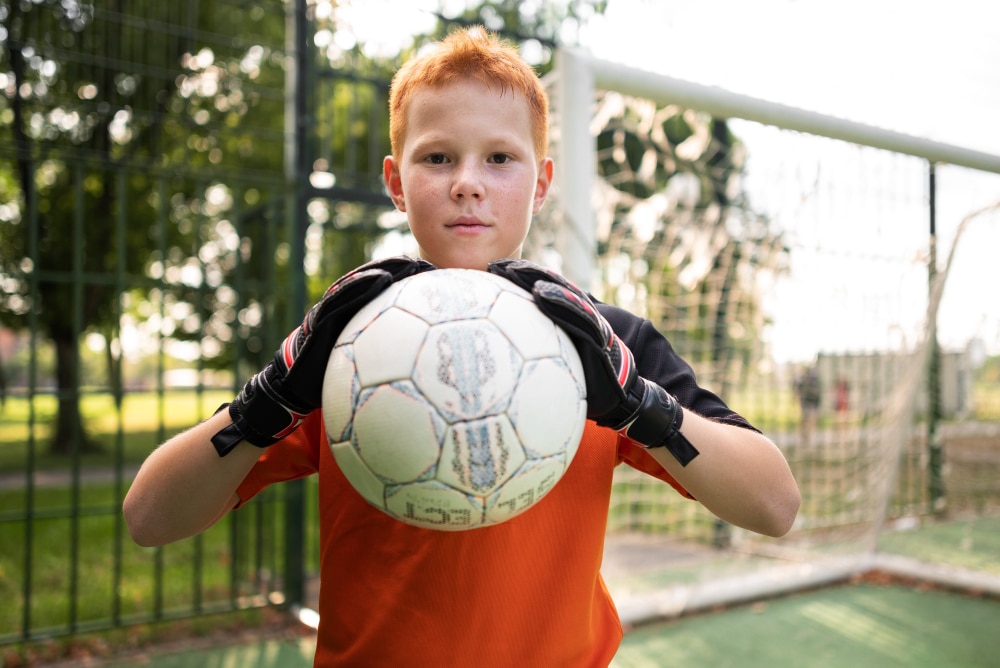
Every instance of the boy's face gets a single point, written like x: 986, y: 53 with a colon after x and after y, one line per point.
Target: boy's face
x: 467, y: 177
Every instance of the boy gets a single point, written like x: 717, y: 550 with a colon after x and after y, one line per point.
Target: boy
x: 469, y: 168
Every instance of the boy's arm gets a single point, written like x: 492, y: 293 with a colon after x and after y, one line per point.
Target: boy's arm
x: 737, y: 473
x: 184, y: 486
x: 190, y: 481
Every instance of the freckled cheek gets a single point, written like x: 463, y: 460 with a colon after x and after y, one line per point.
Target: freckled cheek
x: 511, y: 191
x: 516, y: 197
x: 422, y: 194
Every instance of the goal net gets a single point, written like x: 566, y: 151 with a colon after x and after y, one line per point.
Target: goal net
x: 828, y: 280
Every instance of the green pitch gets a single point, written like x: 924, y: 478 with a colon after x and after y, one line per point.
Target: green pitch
x: 839, y: 627
x: 849, y: 626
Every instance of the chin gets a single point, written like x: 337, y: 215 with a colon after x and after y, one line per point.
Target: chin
x: 470, y: 260
x: 460, y: 263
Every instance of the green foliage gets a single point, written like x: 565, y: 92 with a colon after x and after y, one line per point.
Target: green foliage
x: 683, y: 224
x: 538, y: 27
x: 92, y: 559
x: 130, y: 151
x: 676, y: 128
x: 145, y: 420
x: 989, y: 372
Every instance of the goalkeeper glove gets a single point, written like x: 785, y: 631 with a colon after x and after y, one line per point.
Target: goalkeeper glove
x: 278, y: 398
x: 617, y: 397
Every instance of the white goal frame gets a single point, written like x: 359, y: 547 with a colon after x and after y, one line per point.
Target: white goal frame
x: 576, y: 80
x: 579, y: 75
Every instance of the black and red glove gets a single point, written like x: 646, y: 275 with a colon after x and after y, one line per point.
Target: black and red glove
x: 617, y: 396
x: 278, y: 398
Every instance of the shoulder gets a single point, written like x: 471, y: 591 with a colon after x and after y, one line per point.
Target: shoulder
x: 626, y: 324
x: 655, y: 358
x: 658, y: 361
x: 640, y: 335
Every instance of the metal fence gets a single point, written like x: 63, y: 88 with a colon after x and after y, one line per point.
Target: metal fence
x: 156, y: 207
x: 158, y: 267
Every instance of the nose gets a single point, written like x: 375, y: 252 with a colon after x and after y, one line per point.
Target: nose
x: 468, y: 181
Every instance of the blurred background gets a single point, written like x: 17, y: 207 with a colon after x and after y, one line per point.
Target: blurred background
x: 802, y: 196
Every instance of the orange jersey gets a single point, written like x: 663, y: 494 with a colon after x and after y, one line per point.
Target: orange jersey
x: 524, y: 593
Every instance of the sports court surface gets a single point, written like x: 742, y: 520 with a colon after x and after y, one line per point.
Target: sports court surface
x: 874, y: 620
x: 856, y: 625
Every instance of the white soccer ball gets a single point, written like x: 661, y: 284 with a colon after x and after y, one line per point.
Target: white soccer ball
x: 451, y: 402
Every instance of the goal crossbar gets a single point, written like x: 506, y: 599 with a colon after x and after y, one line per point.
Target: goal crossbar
x: 579, y: 75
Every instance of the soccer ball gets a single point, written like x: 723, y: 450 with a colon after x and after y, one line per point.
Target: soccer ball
x: 451, y: 402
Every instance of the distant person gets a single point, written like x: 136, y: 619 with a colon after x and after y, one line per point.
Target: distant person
x: 810, y: 392
x: 841, y: 398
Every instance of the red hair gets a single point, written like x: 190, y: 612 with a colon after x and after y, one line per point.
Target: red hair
x: 470, y: 52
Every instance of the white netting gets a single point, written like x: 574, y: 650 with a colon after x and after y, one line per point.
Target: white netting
x: 763, y: 254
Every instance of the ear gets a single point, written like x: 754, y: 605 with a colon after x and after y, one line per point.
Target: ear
x: 393, y: 182
x: 542, y: 185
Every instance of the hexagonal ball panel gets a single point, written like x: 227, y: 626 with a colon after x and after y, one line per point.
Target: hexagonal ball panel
x: 339, y: 393
x: 525, y: 489
x: 572, y: 359
x: 397, y: 433
x: 358, y: 474
x: 385, y: 351
x: 527, y: 328
x: 467, y: 369
x: 446, y: 294
x: 547, y: 409
x: 433, y: 505
x: 480, y: 455
x: 369, y: 312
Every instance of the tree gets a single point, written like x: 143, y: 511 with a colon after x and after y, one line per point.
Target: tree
x: 144, y: 176
x: 677, y: 237
x: 108, y: 112
x: 537, y: 27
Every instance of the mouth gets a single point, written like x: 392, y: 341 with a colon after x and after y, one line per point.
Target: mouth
x: 467, y: 223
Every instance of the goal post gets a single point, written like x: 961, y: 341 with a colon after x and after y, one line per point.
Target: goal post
x: 578, y: 75
x: 576, y: 157
x: 765, y: 240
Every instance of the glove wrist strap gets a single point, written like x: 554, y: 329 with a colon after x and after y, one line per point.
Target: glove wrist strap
x: 656, y: 422
x: 230, y: 436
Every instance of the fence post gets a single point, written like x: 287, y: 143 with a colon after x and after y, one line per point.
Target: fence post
x: 297, y: 176
x: 935, y: 452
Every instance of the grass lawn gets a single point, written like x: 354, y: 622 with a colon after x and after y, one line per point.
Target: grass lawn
x: 971, y: 543
x: 67, y: 562
x: 146, y: 420
x: 81, y: 568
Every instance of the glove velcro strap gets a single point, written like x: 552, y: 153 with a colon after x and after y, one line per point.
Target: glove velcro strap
x: 258, y: 418
x: 230, y: 436
x: 657, y: 424
x: 628, y: 410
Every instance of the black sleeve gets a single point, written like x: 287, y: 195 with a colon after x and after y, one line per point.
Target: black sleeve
x: 656, y: 360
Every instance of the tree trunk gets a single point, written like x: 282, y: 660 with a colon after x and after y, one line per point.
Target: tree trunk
x: 69, y: 435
